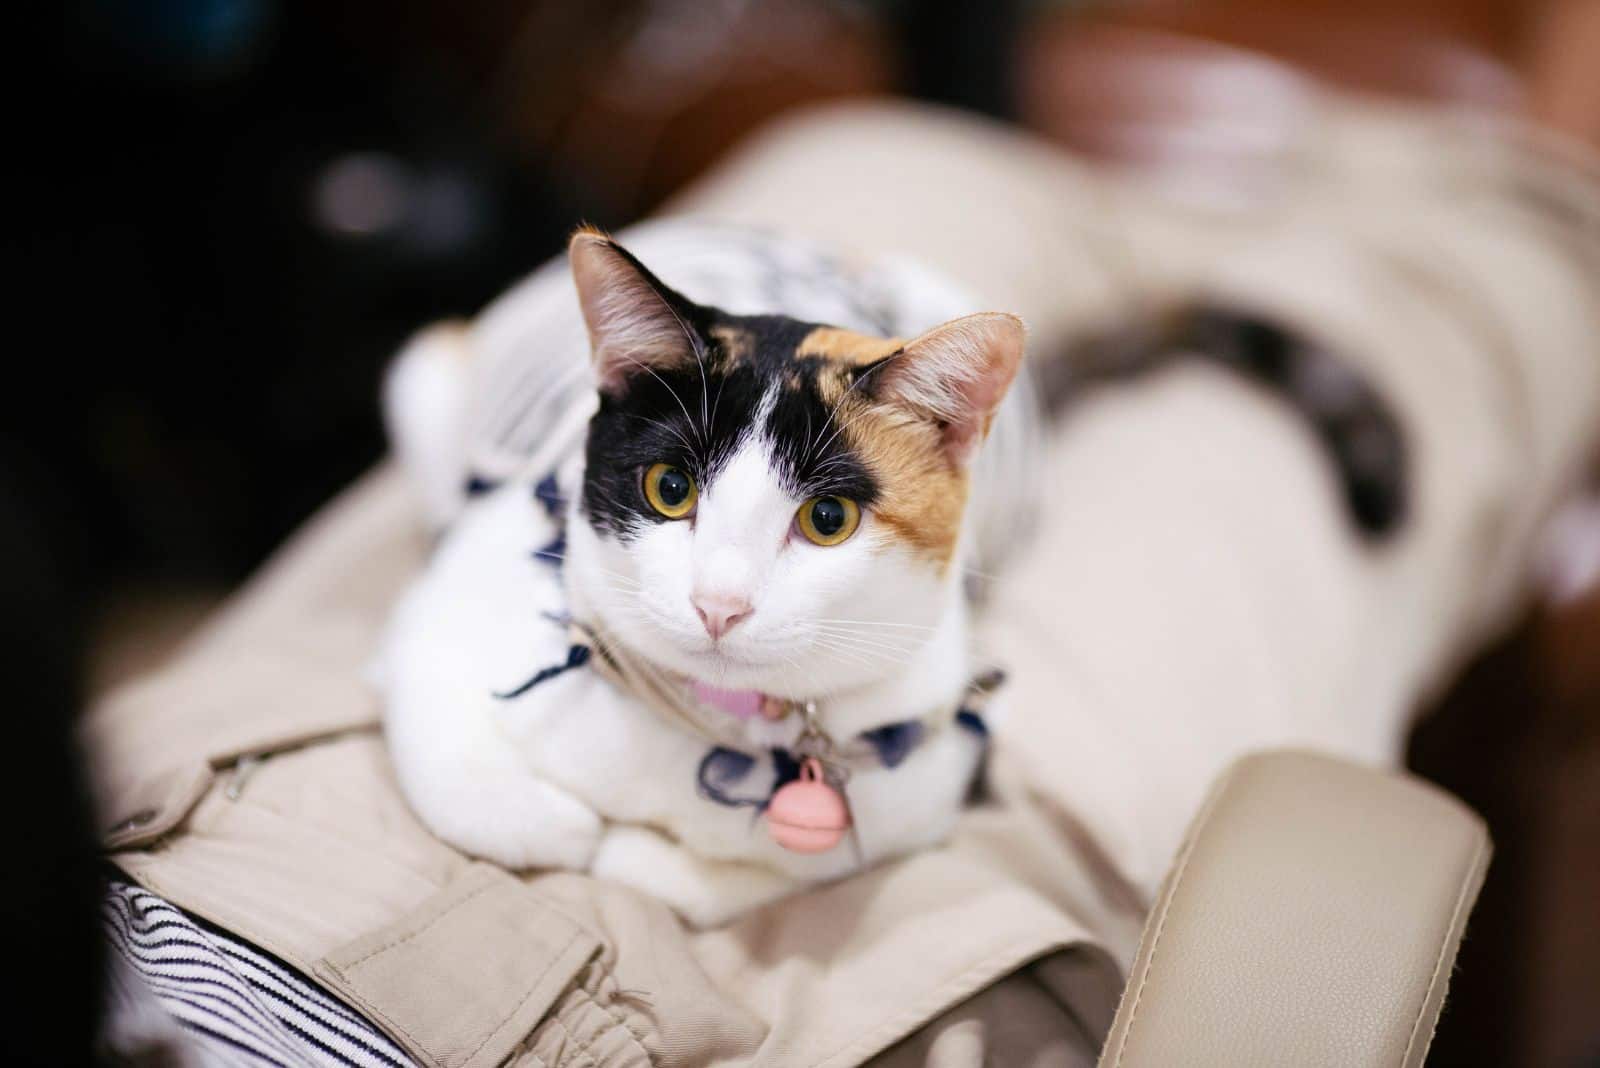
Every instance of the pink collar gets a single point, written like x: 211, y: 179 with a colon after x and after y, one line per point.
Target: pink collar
x: 741, y: 704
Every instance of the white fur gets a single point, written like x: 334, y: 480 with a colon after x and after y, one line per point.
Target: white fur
x: 425, y: 404
x: 578, y: 774
x: 570, y: 774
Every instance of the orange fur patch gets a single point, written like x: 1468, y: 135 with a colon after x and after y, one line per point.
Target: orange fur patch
x: 923, y: 494
x: 737, y: 345
x: 846, y: 346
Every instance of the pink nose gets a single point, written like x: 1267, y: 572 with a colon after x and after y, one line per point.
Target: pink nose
x: 721, y: 613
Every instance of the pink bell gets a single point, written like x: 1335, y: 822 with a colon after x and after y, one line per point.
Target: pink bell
x: 807, y: 815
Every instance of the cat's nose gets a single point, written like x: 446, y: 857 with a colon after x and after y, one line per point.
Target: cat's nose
x: 721, y: 612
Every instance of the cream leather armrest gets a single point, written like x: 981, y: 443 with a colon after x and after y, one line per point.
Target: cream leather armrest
x: 1311, y: 918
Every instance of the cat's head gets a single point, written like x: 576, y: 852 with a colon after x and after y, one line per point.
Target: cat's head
x: 772, y: 504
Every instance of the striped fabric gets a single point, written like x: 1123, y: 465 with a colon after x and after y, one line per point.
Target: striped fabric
x: 241, y: 1006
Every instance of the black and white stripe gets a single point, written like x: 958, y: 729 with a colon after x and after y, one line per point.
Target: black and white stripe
x: 242, y: 1006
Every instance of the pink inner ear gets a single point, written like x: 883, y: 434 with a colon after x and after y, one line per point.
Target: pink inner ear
x: 981, y: 396
x: 961, y: 439
x: 958, y: 373
x: 632, y: 327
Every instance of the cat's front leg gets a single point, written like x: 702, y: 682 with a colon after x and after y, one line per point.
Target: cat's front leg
x: 473, y: 624
x: 704, y: 892
x: 470, y: 786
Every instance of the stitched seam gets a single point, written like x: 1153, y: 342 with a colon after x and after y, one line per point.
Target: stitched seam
x: 1166, y: 910
x: 352, y: 992
x: 1445, y: 943
x: 409, y: 935
x: 523, y: 1000
x: 366, y: 1003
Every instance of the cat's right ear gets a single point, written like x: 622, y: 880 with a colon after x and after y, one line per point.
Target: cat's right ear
x: 636, y: 324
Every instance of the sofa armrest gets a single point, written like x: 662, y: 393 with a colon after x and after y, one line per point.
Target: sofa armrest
x: 1311, y: 918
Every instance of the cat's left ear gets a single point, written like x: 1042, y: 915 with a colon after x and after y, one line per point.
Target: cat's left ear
x: 957, y: 375
x: 636, y: 324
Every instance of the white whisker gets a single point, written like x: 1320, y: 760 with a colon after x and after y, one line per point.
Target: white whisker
x: 652, y: 372
x: 700, y: 358
x: 874, y: 623
x: 882, y: 641
x: 862, y: 377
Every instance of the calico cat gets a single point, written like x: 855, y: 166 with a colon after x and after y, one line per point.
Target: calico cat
x: 746, y: 571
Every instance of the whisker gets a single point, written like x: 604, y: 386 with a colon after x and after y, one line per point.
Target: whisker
x: 652, y: 372
x: 716, y: 403
x: 848, y: 390
x: 876, y: 658
x: 886, y: 641
x: 861, y: 646
x: 562, y: 558
x: 869, y: 652
x: 700, y: 358
x: 879, y: 652
x: 664, y: 425
x: 845, y: 655
x: 864, y: 645
x: 874, y: 623
x: 844, y: 425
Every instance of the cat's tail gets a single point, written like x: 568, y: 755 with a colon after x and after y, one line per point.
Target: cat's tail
x: 472, y: 405
x: 427, y: 393
x: 1351, y: 420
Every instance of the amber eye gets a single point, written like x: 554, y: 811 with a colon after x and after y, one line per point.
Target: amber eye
x: 670, y: 490
x: 828, y: 520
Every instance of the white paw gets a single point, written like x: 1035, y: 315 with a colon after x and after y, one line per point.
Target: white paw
x: 706, y: 893
x: 512, y: 819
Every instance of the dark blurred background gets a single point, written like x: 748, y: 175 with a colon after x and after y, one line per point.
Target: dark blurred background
x: 229, y: 213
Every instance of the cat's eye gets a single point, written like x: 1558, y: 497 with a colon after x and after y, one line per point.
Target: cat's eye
x: 670, y: 490
x: 828, y: 520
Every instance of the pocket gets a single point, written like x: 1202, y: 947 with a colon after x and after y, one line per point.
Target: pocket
x: 464, y: 978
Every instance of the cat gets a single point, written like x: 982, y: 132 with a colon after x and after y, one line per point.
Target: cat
x: 744, y: 562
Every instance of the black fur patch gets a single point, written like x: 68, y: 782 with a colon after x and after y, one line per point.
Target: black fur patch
x: 697, y: 417
x: 1358, y: 431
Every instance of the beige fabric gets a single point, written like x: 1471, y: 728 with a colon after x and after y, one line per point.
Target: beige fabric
x: 1196, y: 594
x: 1017, y: 1023
x: 435, y: 979
x: 1312, y: 918
x: 311, y: 853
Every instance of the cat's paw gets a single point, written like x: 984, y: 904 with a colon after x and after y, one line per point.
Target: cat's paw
x: 706, y: 893
x: 512, y: 819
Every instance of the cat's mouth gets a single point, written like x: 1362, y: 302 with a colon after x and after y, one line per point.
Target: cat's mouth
x: 739, y: 688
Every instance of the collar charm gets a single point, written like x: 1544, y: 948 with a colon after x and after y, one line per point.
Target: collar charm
x: 812, y: 814
x: 808, y: 815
